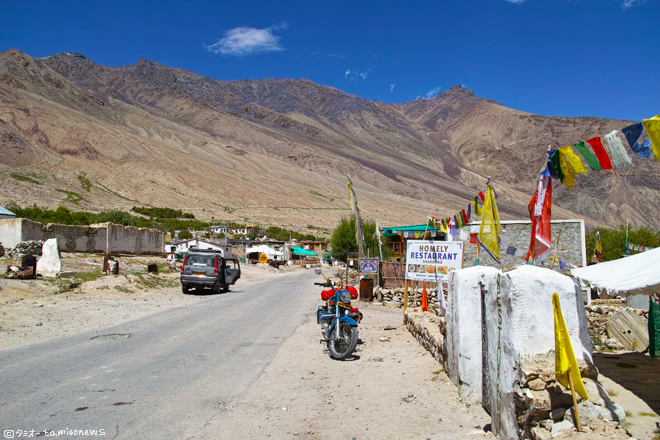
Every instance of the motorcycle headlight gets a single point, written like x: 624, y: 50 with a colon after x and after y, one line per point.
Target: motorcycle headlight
x: 346, y: 298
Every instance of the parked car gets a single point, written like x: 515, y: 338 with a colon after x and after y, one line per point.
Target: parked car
x: 207, y: 268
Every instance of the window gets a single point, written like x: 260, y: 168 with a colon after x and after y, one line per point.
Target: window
x: 200, y: 261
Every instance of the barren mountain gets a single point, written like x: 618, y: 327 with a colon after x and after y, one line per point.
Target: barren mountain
x: 277, y: 151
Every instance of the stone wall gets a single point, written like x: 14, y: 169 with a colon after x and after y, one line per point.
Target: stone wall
x: 97, y: 238
x: 518, y: 233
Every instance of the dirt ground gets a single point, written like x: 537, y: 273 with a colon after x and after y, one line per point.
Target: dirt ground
x: 390, y: 389
x: 32, y: 311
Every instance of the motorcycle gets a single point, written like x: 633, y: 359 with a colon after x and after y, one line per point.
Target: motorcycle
x: 339, y: 321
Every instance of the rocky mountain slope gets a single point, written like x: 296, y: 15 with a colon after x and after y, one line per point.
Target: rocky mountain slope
x: 277, y: 151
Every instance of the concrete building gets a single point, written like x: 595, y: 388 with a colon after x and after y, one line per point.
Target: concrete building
x: 200, y: 243
x: 98, y: 238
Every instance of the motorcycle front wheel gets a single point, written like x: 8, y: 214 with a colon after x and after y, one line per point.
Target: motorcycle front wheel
x: 341, y: 347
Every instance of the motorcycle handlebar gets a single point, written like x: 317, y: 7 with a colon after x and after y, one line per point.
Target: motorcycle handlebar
x: 321, y: 284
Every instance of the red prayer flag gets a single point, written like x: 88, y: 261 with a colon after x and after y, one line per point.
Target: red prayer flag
x: 481, y: 195
x: 601, y: 154
x: 540, y: 214
x: 473, y: 239
x: 465, y: 217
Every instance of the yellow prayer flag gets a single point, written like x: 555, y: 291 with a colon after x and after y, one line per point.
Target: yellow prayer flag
x: 565, y: 362
x: 653, y: 129
x: 573, y: 159
x: 490, y: 229
x: 569, y: 177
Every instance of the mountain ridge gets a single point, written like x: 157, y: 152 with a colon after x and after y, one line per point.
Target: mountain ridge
x: 263, y: 144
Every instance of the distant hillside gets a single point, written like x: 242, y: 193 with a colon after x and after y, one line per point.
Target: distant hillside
x: 277, y: 151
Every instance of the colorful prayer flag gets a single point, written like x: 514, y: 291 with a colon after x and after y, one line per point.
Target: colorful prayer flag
x: 573, y: 160
x: 359, y: 234
x: 618, y: 154
x: 511, y: 250
x: 567, y: 171
x: 469, y: 212
x: 432, y: 222
x: 641, y: 248
x: 601, y: 154
x: 653, y: 129
x: 490, y: 229
x: 475, y: 203
x: 591, y: 160
x: 554, y: 166
x: 598, y: 249
x: 473, y: 239
x: 632, y: 133
x: 565, y: 362
x: 562, y: 265
x: 540, y: 214
x: 481, y: 196
x: 465, y: 217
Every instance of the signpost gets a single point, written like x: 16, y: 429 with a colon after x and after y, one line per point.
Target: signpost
x: 431, y: 261
x: 428, y: 260
x: 369, y: 266
x: 263, y: 258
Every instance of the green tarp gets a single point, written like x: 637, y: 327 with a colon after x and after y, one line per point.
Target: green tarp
x: 301, y: 251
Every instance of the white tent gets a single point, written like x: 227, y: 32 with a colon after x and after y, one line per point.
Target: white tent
x: 633, y: 275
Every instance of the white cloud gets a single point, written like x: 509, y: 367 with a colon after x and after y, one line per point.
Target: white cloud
x: 432, y: 93
x: 356, y: 74
x: 392, y: 87
x: 243, y: 41
x: 630, y: 3
x: 516, y: 2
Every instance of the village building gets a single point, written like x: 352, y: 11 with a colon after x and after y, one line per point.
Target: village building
x: 5, y: 213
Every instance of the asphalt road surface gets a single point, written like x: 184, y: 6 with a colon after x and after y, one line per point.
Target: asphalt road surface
x: 164, y: 376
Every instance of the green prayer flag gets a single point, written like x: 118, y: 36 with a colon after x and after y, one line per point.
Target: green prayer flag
x: 588, y: 157
x: 556, y: 163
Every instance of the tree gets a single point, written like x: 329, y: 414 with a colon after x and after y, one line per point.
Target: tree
x: 343, y: 239
x: 614, y: 241
x: 185, y: 235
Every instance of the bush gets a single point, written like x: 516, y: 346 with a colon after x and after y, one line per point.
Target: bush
x: 185, y: 235
x: 343, y: 239
x: 614, y: 241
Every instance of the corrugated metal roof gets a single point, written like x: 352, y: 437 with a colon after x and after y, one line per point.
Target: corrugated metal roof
x: 5, y: 211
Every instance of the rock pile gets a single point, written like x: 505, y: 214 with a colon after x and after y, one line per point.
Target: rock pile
x: 394, y: 297
x: 26, y: 248
x: 545, y: 408
x: 353, y: 275
x: 599, y: 313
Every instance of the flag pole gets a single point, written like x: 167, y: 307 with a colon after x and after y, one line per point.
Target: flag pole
x: 405, y: 300
x: 427, y: 219
x: 575, y: 405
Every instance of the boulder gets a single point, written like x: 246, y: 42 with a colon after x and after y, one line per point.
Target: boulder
x: 612, y: 411
x: 588, y: 412
x: 561, y: 428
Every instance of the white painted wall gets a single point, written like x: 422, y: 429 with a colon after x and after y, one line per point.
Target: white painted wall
x: 225, y: 250
x: 520, y: 326
x: 464, y: 319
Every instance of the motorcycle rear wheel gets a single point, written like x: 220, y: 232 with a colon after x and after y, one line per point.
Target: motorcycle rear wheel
x: 342, y: 347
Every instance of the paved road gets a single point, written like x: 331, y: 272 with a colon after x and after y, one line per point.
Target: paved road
x: 160, y: 377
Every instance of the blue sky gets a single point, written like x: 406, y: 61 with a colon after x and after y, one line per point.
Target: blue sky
x: 549, y: 57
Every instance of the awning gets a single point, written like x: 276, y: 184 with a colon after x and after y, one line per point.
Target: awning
x: 636, y: 274
x: 301, y: 251
x: 405, y: 229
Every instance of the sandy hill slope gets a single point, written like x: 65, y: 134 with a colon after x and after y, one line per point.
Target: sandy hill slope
x: 277, y: 151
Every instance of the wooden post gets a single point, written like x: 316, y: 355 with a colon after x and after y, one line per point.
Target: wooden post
x: 405, y: 301
x: 575, y: 405
x: 476, y: 262
x: 552, y: 263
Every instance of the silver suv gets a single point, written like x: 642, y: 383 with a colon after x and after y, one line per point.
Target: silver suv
x: 207, y: 268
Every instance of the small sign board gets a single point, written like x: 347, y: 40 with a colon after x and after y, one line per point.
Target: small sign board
x: 369, y: 266
x: 352, y: 259
x: 263, y: 258
x: 432, y: 261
